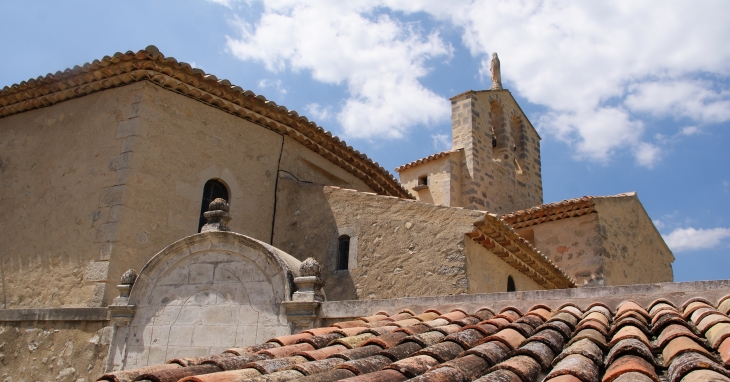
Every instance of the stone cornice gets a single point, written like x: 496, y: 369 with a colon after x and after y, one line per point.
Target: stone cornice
x: 556, y: 211
x: 426, y: 159
x: 151, y: 65
x: 500, y: 239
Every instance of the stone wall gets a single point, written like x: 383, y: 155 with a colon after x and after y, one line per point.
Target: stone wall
x: 398, y: 247
x: 444, y: 186
x: 574, y: 245
x: 57, y: 166
x: 63, y: 351
x: 615, y: 245
x: 501, y: 171
x: 487, y: 273
x: 202, y: 295
x: 97, y: 185
x: 636, y: 252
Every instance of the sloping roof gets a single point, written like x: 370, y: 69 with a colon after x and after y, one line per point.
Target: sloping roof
x: 151, y: 65
x: 659, y: 341
x: 555, y: 211
x: 426, y: 159
x: 502, y: 240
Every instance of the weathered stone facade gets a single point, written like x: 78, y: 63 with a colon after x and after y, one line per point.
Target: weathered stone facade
x: 499, y: 149
x: 105, y: 165
x: 599, y: 240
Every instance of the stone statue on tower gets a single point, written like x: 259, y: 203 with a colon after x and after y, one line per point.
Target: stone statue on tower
x: 496, y: 73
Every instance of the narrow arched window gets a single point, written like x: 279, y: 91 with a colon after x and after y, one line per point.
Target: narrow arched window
x: 212, y: 190
x: 343, y: 252
x: 510, y: 284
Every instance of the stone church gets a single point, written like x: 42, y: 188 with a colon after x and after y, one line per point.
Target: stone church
x: 231, y: 220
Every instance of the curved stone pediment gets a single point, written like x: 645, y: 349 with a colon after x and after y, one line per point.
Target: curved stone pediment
x: 203, y: 294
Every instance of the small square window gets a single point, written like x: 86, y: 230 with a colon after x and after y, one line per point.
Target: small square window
x: 423, y: 180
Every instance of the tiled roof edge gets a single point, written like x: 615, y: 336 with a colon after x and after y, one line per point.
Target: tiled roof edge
x: 151, y: 65
x: 502, y: 240
x: 584, y: 296
x: 426, y: 159
x: 555, y: 211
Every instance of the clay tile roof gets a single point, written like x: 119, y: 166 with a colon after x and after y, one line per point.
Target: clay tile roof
x: 501, y: 239
x: 515, y: 351
x: 426, y: 159
x: 555, y: 211
x: 151, y: 65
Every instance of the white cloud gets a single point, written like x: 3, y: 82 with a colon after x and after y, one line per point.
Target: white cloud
x: 596, y: 134
x: 690, y: 130
x: 681, y: 98
x: 647, y: 155
x: 377, y: 57
x: 659, y: 224
x: 599, y: 68
x: 441, y: 142
x: 317, y: 111
x: 689, y: 239
x: 275, y: 84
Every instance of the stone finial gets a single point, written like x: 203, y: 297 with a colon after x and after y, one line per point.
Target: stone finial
x: 496, y: 73
x: 125, y: 286
x: 310, y: 267
x: 217, y: 216
x: 129, y: 277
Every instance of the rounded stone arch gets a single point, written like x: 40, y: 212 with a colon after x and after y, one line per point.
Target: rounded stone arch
x: 498, y: 123
x: 206, y: 293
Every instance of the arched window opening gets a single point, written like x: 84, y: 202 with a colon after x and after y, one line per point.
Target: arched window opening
x: 343, y: 252
x: 510, y: 284
x: 518, y: 134
x: 212, y: 190
x: 499, y: 139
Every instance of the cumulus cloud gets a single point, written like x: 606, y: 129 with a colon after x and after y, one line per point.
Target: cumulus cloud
x: 441, y: 142
x: 377, y: 57
x: 689, y: 239
x: 318, y: 112
x: 599, y: 69
x: 274, y: 84
x: 692, y: 99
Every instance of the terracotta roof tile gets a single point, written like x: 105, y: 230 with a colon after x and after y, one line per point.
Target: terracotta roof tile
x: 444, y: 351
x: 724, y: 306
x: 555, y: 211
x: 151, y: 65
x: 414, y: 366
x: 630, y: 363
x: 385, y: 375
x: 585, y: 348
x: 318, y: 366
x: 717, y: 334
x: 509, y: 348
x: 705, y: 376
x: 724, y: 351
x: 357, y: 353
x: 681, y: 345
x: 426, y: 159
x: 630, y: 346
x: 471, y: 366
x: 539, y: 351
x: 577, y: 366
x: 673, y: 331
x: 709, y: 321
x: 502, y: 375
x: 691, y: 361
x: 401, y: 351
x: 320, y: 354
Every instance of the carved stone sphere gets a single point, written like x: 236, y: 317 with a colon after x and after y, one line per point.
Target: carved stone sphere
x: 129, y: 277
x: 310, y: 267
x: 219, y: 204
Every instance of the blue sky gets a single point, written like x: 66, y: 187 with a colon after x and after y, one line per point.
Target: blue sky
x: 627, y: 95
